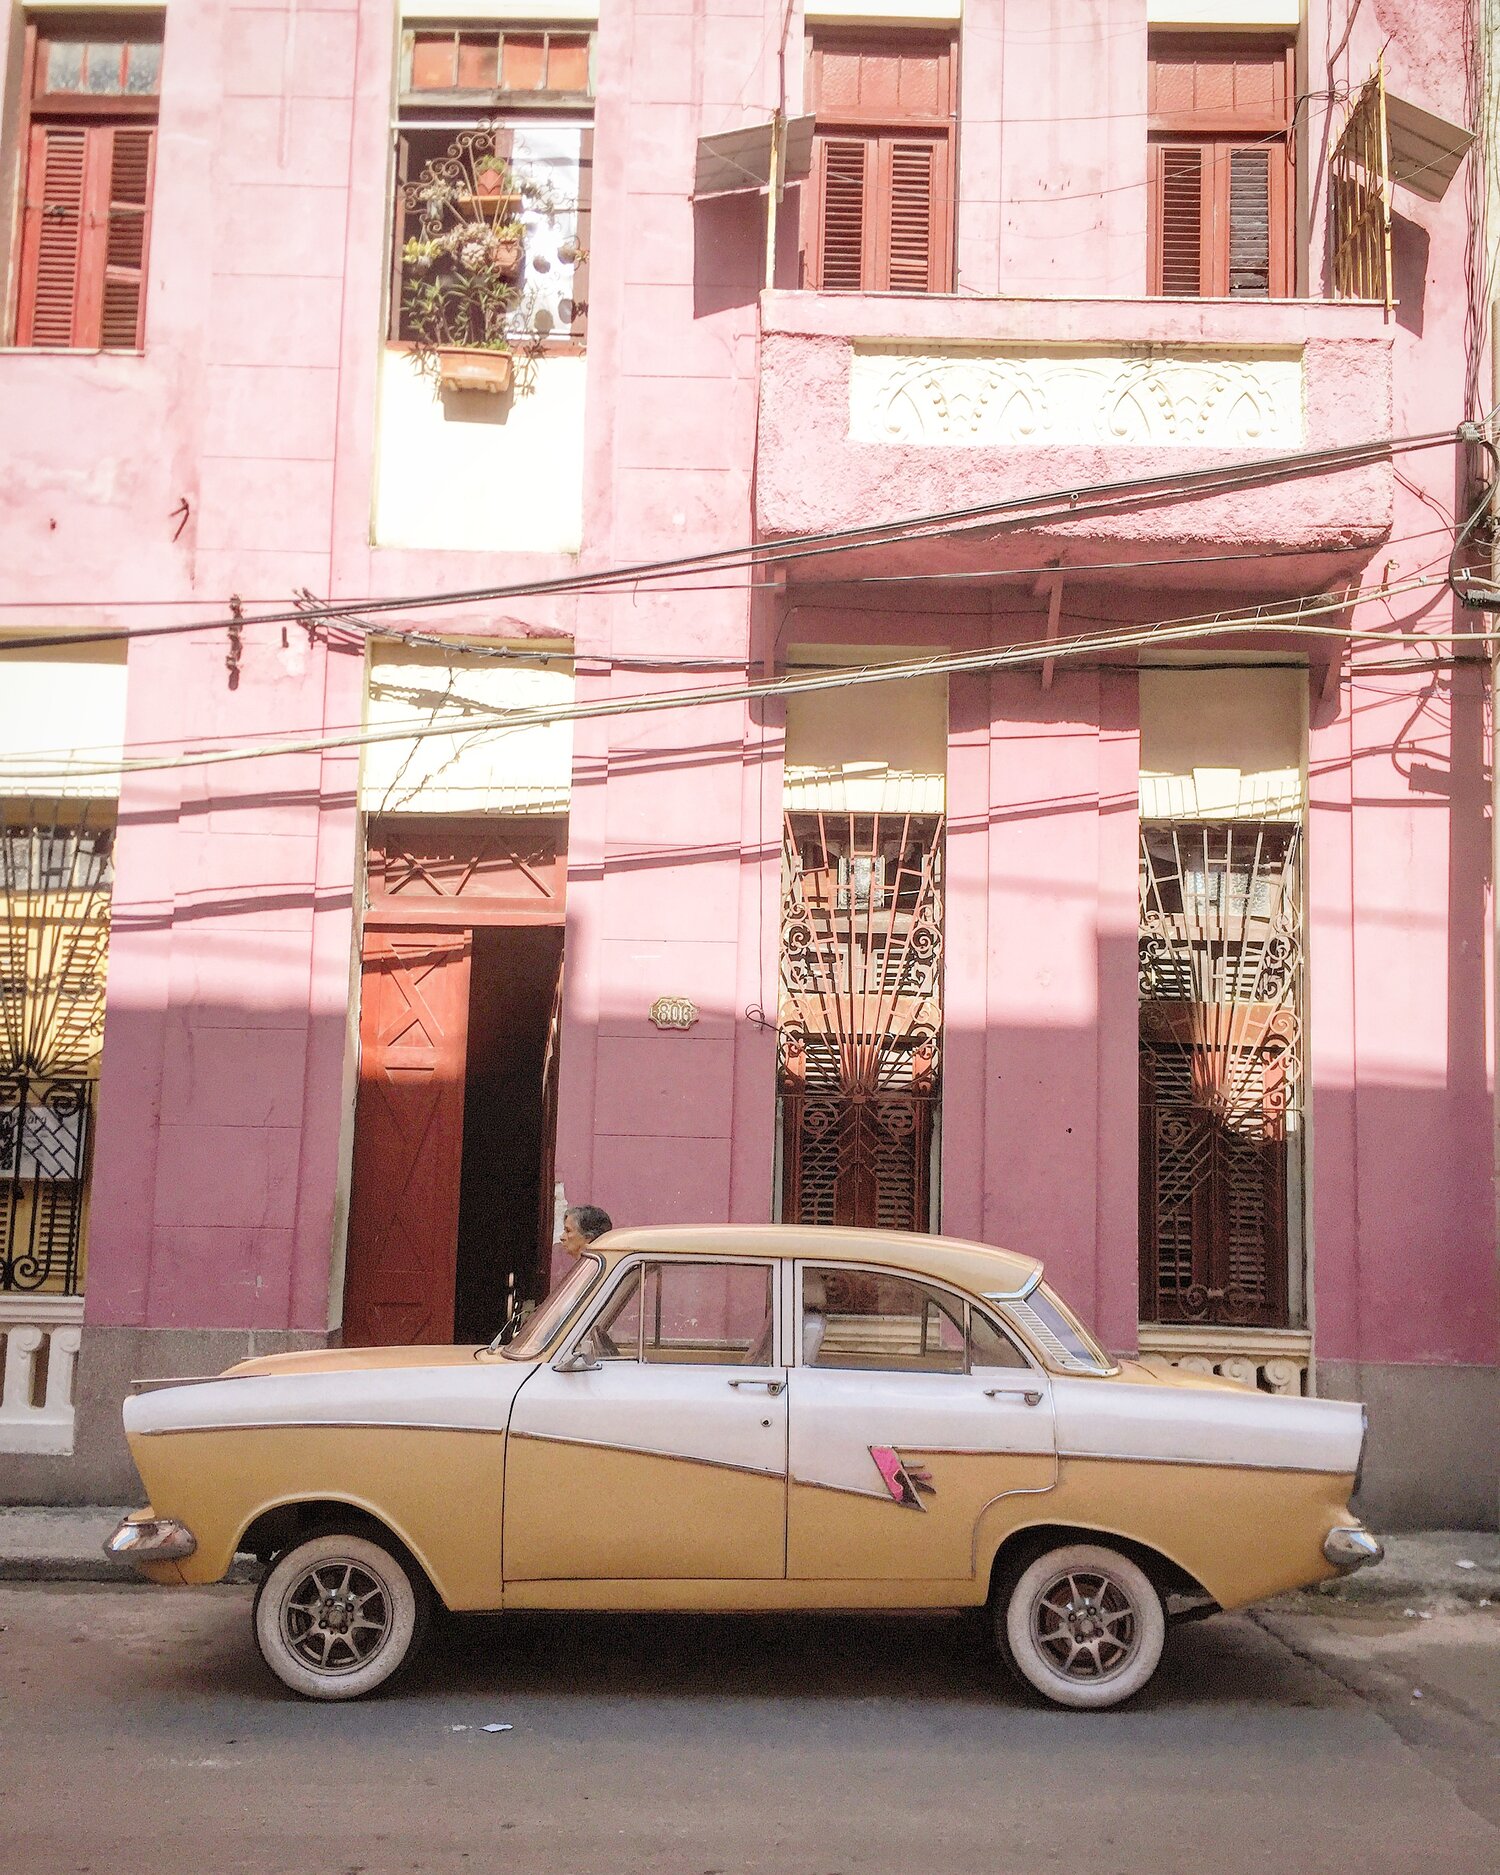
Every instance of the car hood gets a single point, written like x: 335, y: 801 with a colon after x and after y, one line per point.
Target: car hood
x: 353, y: 1360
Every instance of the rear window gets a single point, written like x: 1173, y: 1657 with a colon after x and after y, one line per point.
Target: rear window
x: 1058, y: 1332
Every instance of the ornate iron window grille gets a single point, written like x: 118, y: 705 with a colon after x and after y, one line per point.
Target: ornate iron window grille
x: 55, y: 876
x: 861, y: 1017
x: 1220, y: 1062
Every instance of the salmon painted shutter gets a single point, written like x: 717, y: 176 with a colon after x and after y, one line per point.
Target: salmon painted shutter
x: 914, y: 214
x: 52, y: 244
x: 1220, y: 116
x: 402, y: 1260
x: 879, y: 217
x: 127, y: 231
x: 844, y: 245
x: 1177, y: 256
x: 84, y: 244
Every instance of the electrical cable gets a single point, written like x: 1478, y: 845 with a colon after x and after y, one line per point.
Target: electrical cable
x: 1014, y: 512
x: 1041, y: 651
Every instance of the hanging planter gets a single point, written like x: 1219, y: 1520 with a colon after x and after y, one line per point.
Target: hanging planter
x: 475, y: 368
x: 461, y: 301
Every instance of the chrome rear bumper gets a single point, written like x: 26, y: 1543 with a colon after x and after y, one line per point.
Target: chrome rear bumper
x: 1349, y: 1548
x: 151, y: 1539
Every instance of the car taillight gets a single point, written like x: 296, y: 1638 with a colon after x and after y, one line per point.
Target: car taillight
x: 1364, y: 1440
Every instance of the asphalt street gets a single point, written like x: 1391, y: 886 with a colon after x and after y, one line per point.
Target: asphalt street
x: 138, y: 1729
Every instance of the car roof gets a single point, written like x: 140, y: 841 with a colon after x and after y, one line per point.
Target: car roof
x: 977, y: 1267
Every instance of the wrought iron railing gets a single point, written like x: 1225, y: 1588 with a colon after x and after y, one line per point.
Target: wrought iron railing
x: 46, y: 1131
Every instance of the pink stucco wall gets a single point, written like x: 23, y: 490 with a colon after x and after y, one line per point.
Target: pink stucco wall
x: 710, y: 412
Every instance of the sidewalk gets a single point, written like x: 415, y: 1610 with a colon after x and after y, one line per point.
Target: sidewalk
x: 1431, y: 1570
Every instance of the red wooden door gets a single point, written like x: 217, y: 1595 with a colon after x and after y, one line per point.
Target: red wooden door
x: 408, y: 1138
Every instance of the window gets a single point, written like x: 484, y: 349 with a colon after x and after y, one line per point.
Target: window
x: 689, y: 1314
x: 854, y: 1318
x: 879, y: 216
x: 555, y: 1311
x: 500, y: 122
x: 90, y: 85
x: 1222, y: 202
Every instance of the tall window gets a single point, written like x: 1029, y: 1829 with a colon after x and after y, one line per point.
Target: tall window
x: 90, y: 85
x: 879, y: 216
x: 526, y: 93
x: 1222, y: 201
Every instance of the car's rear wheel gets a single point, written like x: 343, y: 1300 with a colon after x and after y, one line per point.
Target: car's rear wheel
x: 1083, y: 1625
x: 336, y: 1615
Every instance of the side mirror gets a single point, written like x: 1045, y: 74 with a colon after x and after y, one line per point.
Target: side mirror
x: 584, y: 1359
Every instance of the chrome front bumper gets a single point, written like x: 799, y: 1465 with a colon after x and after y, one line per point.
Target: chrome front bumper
x: 151, y: 1539
x: 1348, y: 1548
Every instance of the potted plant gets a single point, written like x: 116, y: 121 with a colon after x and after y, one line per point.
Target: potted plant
x: 459, y: 293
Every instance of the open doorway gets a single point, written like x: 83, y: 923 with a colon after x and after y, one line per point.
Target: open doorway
x: 505, y: 1178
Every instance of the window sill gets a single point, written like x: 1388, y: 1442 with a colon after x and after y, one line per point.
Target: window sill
x: 71, y: 351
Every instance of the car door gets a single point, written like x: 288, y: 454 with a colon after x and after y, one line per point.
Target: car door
x: 911, y: 1411
x: 654, y: 1446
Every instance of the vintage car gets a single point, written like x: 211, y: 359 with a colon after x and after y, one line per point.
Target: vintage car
x: 750, y: 1419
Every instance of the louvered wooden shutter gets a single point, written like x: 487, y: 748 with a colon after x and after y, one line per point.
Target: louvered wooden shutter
x: 910, y: 215
x: 86, y: 235
x: 883, y: 214
x: 1249, y: 232
x: 53, y: 237
x: 844, y: 247
x: 1177, y: 230
x: 128, y: 223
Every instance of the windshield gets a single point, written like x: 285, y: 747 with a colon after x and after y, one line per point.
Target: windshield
x: 555, y: 1311
x: 1059, y: 1332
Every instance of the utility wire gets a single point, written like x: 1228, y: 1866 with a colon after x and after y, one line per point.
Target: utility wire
x: 1297, y: 620
x: 1023, y: 511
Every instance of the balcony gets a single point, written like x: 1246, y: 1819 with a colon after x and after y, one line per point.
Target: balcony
x: 877, y: 408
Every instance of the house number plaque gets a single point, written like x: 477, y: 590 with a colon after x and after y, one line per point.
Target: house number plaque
x: 674, y: 1012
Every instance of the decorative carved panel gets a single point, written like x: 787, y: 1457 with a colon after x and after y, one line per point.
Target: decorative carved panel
x: 1068, y: 394
x: 441, y: 869
x: 861, y: 1016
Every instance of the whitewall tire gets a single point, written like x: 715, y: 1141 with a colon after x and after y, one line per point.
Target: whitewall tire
x: 1084, y: 1626
x: 337, y: 1615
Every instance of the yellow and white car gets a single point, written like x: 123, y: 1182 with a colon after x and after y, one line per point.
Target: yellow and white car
x: 750, y: 1419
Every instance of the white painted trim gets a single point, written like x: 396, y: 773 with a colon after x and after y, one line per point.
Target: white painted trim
x: 1209, y: 1426
x: 1226, y: 15
x: 541, y: 12
x: 886, y: 12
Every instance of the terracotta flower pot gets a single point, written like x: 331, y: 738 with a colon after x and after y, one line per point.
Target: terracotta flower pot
x: 470, y: 368
x: 507, y: 256
x: 489, y: 181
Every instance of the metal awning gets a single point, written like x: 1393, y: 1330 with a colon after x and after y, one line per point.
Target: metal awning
x: 1425, y: 150
x: 741, y: 159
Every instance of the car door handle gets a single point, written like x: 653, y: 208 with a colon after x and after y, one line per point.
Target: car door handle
x: 773, y: 1387
x: 1030, y: 1396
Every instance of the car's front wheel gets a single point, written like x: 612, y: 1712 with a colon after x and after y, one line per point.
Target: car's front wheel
x: 336, y: 1615
x: 1084, y: 1625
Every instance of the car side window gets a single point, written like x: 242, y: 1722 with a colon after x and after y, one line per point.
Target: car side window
x: 868, y: 1320
x: 691, y: 1314
x: 989, y: 1345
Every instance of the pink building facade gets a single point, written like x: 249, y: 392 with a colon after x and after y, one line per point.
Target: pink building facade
x: 1159, y: 907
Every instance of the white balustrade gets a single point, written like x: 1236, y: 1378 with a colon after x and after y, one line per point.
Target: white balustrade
x: 1274, y: 1360
x: 40, y: 1336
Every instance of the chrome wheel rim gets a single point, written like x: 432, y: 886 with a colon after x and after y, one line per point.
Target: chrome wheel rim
x: 1085, y: 1626
x: 336, y: 1616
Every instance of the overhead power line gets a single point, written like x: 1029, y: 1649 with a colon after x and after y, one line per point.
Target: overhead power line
x: 1300, y: 619
x: 1056, y: 507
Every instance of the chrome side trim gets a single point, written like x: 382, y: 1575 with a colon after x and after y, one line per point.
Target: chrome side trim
x: 1016, y: 1295
x: 645, y: 1451
x: 1348, y: 1548
x: 1212, y: 1464
x: 319, y: 1425
x: 150, y: 1539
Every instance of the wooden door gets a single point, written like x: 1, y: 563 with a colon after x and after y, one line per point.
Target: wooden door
x: 408, y: 1138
